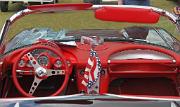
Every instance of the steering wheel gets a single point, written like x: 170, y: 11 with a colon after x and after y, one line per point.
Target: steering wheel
x: 39, y: 72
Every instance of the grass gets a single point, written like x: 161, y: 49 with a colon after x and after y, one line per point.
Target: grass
x: 83, y: 20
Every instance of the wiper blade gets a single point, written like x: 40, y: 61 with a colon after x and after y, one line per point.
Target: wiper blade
x: 140, y: 40
x: 125, y: 40
x: 67, y: 40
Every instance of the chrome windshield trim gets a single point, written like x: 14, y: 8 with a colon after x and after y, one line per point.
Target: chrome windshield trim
x: 20, y: 14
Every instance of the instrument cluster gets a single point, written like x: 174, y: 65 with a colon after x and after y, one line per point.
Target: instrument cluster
x: 44, y: 58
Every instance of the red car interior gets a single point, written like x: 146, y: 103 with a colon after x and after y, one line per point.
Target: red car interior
x: 120, y: 75
x: 133, y: 76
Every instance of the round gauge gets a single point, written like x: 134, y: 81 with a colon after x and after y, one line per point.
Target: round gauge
x: 21, y: 63
x: 58, y: 63
x: 29, y: 64
x: 43, y: 60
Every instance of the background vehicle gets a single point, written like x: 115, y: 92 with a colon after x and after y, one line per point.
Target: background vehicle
x: 4, y: 3
x: 93, y: 1
x: 100, y: 1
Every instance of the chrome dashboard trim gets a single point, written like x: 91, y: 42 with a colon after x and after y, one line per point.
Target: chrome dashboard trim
x: 140, y: 54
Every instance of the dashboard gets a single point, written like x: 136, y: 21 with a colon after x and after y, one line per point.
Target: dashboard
x: 118, y: 60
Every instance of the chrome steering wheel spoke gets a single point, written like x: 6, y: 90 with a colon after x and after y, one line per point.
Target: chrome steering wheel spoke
x: 51, y: 72
x: 34, y: 85
x: 33, y: 61
x: 24, y: 71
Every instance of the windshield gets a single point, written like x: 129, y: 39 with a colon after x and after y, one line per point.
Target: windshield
x: 74, y: 24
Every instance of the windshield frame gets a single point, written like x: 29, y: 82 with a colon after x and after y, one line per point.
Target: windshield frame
x: 172, y: 17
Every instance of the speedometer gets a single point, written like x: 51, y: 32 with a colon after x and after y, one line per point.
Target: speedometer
x: 43, y: 60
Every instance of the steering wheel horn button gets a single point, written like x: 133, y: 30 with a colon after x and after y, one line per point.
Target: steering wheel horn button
x: 40, y: 72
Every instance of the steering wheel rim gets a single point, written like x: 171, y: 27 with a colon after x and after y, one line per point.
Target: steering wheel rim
x: 14, y: 73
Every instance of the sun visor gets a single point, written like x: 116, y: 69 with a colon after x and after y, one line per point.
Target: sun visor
x: 125, y: 14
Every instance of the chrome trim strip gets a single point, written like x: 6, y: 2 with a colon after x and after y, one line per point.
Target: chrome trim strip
x: 20, y: 14
x: 143, y: 98
x: 82, y: 96
x: 2, y: 30
x: 140, y: 53
x: 39, y: 98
